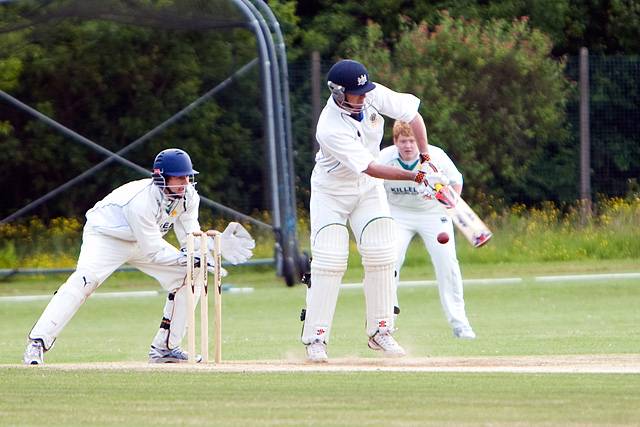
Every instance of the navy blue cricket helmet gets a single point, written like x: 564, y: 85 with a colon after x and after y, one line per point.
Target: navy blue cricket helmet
x: 351, y: 76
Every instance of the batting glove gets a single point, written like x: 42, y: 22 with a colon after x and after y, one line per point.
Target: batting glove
x: 429, y: 181
x: 447, y: 196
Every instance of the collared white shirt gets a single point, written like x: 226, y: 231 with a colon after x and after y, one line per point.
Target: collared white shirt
x: 348, y: 146
x: 138, y: 212
x: 403, y: 194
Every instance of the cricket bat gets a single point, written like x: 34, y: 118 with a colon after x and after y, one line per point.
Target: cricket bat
x: 467, y: 221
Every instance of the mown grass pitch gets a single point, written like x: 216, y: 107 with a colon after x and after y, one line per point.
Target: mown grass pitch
x: 346, y: 399
x: 542, y: 319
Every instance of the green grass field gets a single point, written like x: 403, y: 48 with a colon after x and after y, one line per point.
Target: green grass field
x: 542, y: 319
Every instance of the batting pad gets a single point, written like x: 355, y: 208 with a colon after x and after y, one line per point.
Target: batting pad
x: 63, y: 306
x: 330, y: 252
x: 377, y: 247
x: 175, y: 316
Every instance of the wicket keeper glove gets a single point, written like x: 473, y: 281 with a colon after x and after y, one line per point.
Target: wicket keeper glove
x: 196, y: 261
x: 236, y: 244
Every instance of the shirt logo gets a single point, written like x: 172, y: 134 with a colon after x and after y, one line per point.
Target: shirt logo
x: 362, y: 80
x: 164, y: 228
x: 410, y: 190
x: 375, y: 120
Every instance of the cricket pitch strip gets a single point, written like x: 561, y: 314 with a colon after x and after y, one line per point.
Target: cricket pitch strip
x: 558, y: 364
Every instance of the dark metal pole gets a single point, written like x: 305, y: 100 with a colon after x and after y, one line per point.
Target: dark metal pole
x: 267, y: 102
x: 316, y: 78
x: 585, y: 138
x: 292, y: 263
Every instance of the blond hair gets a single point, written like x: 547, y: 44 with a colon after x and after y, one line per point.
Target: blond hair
x: 402, y: 129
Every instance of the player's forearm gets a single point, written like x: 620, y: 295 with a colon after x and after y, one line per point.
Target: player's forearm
x: 420, y: 133
x: 378, y: 170
x: 184, y: 225
x: 167, y: 255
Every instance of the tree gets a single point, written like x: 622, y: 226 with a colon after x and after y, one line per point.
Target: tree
x: 113, y: 83
x: 492, y: 97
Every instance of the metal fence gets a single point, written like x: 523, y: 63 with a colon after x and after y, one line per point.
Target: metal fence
x: 613, y: 118
x: 614, y: 122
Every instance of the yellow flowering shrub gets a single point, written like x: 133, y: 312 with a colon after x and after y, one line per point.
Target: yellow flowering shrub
x: 544, y: 233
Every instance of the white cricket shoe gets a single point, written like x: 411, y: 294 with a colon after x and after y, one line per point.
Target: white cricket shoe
x: 464, y: 332
x: 317, y: 352
x: 384, y: 341
x: 158, y: 355
x: 34, y: 353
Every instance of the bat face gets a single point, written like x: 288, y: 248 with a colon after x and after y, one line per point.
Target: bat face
x: 469, y: 224
x: 481, y: 239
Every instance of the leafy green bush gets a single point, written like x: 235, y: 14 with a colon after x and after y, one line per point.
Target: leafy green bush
x: 492, y: 97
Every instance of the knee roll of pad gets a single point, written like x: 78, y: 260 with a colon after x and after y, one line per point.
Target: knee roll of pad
x: 377, y: 243
x: 331, y: 249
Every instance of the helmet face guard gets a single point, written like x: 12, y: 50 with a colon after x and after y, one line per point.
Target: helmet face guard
x: 172, y: 162
x: 340, y: 97
x: 160, y: 179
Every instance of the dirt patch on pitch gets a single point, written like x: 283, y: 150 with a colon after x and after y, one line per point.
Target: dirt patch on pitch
x: 601, y: 363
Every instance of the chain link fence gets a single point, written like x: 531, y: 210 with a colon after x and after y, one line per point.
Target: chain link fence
x: 614, y: 105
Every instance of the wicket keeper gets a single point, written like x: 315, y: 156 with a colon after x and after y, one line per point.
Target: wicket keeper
x: 128, y: 226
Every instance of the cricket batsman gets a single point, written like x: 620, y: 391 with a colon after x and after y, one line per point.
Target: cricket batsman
x: 427, y: 217
x: 346, y: 188
x: 128, y: 226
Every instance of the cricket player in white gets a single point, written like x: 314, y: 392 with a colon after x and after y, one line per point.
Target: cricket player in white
x: 346, y: 187
x: 415, y: 214
x: 128, y: 226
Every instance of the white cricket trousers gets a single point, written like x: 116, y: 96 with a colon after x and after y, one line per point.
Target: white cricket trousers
x: 428, y: 224
x: 367, y: 213
x: 100, y: 256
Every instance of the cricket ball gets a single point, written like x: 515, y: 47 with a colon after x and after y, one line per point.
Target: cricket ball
x: 443, y: 238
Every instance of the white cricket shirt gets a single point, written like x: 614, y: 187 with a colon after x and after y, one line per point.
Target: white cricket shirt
x: 348, y: 146
x: 403, y: 194
x: 137, y: 211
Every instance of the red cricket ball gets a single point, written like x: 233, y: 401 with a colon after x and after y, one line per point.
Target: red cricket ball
x: 443, y: 238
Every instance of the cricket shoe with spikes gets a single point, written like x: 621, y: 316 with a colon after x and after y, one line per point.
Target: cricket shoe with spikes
x: 158, y: 355
x: 384, y: 341
x: 317, y: 352
x: 34, y: 353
